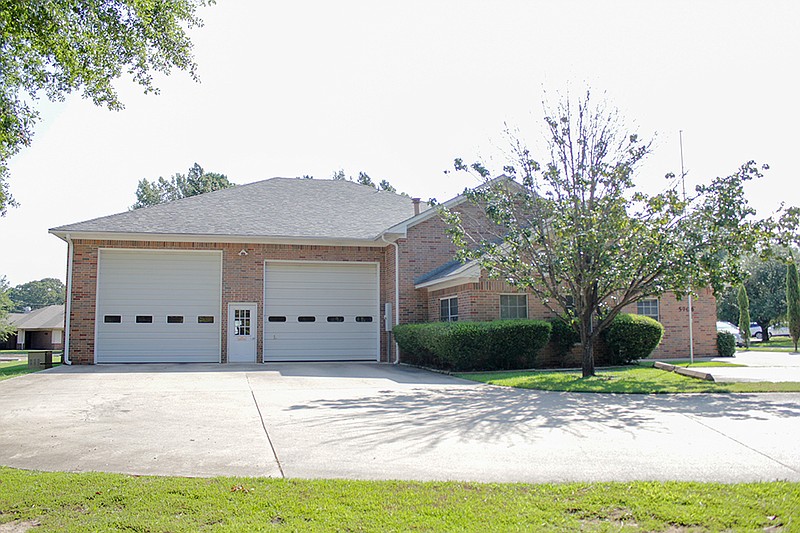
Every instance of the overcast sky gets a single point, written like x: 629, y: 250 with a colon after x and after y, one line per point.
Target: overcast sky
x: 400, y: 89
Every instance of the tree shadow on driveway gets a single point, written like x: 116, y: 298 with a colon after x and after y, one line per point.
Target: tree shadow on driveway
x: 424, y: 417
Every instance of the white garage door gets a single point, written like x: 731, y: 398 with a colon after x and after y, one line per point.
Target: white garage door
x: 321, y: 311
x: 158, y: 306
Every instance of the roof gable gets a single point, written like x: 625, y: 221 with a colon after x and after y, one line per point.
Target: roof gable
x: 50, y: 317
x: 277, y: 207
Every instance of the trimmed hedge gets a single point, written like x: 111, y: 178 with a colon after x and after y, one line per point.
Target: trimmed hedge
x: 629, y: 338
x: 726, y: 344
x: 563, y: 337
x: 465, y: 346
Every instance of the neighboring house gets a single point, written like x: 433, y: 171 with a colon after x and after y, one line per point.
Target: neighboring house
x: 41, y: 329
x: 285, y: 270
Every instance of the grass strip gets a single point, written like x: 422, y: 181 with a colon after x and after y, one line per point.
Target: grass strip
x: 113, y: 502
x: 11, y: 369
x: 626, y: 380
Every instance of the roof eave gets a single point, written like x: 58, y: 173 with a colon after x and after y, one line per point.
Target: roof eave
x: 447, y: 282
x: 468, y: 273
x: 65, y: 234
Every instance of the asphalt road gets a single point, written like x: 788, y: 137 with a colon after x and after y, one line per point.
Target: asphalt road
x: 371, y: 421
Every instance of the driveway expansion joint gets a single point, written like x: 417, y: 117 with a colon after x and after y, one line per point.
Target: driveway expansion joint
x: 264, y: 427
x: 759, y: 452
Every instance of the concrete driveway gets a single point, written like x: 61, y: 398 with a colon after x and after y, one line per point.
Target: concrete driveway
x: 373, y: 421
x: 758, y: 366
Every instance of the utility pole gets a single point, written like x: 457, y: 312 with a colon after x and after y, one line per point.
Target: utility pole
x: 683, y: 185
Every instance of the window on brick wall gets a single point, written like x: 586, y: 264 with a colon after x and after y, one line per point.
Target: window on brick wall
x: 513, y: 306
x: 448, y: 309
x: 648, y: 307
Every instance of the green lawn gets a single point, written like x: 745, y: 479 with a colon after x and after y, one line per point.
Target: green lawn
x: 112, y: 502
x: 642, y: 379
x: 17, y: 368
x: 774, y: 344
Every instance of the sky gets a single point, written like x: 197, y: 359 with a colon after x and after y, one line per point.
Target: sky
x: 399, y: 89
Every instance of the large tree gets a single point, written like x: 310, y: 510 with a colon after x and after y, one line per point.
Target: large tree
x: 6, y: 329
x: 52, y: 48
x: 766, y: 291
x: 577, y: 233
x: 793, y: 302
x: 196, y: 181
x: 37, y: 294
x: 744, y: 314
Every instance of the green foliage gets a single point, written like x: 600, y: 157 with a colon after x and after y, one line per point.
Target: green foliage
x: 793, y: 303
x: 37, y: 294
x: 575, y: 231
x: 632, y: 337
x: 744, y: 315
x: 563, y: 337
x: 57, y: 47
x: 6, y: 329
x: 726, y: 344
x: 384, y: 185
x: 766, y: 292
x: 364, y: 179
x: 464, y: 346
x: 196, y: 181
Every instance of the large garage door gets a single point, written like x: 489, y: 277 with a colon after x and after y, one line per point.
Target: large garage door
x: 158, y: 306
x: 321, y: 311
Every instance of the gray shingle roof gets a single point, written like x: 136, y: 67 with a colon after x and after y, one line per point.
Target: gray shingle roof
x: 50, y: 317
x: 277, y: 207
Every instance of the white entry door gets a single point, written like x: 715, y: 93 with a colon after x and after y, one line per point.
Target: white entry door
x: 242, y: 325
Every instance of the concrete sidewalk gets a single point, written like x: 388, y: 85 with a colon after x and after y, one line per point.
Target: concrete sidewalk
x: 372, y: 421
x: 759, y: 366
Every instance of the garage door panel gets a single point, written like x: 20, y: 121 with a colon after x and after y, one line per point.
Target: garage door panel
x: 320, y: 290
x: 158, y: 284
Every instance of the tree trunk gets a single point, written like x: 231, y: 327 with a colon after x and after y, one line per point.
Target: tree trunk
x: 587, y: 338
x: 587, y: 365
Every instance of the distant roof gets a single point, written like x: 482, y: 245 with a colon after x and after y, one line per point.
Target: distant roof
x: 277, y: 207
x: 50, y: 317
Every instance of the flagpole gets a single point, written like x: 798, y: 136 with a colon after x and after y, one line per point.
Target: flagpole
x: 683, y: 184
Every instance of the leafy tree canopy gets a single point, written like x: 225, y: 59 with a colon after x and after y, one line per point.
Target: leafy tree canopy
x: 37, y: 294
x: 55, y: 47
x: 364, y: 179
x: 6, y: 329
x: 576, y: 232
x: 196, y: 181
x: 766, y: 291
x: 793, y: 302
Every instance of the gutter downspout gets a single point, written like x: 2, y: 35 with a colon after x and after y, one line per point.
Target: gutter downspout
x: 396, y: 293
x: 68, y: 307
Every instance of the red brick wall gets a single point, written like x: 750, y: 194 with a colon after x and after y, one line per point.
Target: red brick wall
x: 674, y: 315
x: 426, y: 247
x: 481, y: 301
x: 242, y: 281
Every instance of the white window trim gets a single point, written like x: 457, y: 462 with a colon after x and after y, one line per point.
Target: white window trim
x: 449, y: 307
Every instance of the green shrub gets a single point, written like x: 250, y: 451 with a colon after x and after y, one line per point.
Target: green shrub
x: 417, y: 340
x: 562, y: 338
x: 464, y: 346
x: 726, y: 344
x: 631, y: 337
